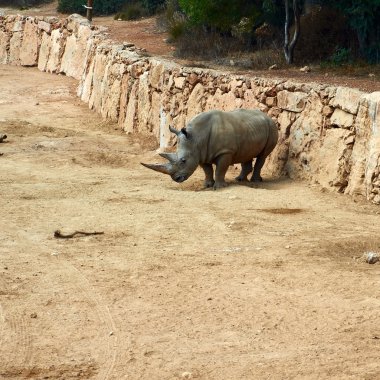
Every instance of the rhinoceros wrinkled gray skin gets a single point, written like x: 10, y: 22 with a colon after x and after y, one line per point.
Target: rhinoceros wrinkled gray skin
x: 223, y: 139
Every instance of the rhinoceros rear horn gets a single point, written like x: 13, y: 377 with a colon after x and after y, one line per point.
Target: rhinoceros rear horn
x: 162, y: 168
x: 171, y: 157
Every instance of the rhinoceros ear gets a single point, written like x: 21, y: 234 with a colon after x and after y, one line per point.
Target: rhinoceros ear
x: 184, y: 131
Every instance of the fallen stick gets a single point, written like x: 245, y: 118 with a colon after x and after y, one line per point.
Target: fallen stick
x: 59, y: 235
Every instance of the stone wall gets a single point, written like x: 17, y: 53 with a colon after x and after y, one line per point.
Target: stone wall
x: 328, y: 135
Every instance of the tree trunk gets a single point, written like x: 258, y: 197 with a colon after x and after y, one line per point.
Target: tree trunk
x: 89, y: 9
x: 289, y: 46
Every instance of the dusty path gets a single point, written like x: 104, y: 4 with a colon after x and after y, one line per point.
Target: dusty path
x: 243, y: 283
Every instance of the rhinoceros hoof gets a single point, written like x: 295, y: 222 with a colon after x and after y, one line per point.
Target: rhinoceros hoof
x: 241, y: 179
x: 209, y: 184
x: 259, y: 179
x: 220, y: 185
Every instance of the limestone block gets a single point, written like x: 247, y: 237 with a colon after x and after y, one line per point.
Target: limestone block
x: 56, y: 50
x: 45, y: 26
x: 75, y: 53
x: 250, y: 101
x: 194, y: 103
x: 110, y: 106
x: 327, y: 111
x: 291, y: 101
x: 4, y: 46
x: 333, y: 158
x: 75, y: 21
x: 285, y: 121
x: 366, y: 151
x: 18, y: 26
x: 30, y: 44
x: 14, y: 48
x: 226, y: 102
x: 347, y: 99
x: 193, y: 79
x: 271, y: 101
x: 143, y: 102
x: 130, y: 115
x: 44, y: 53
x: 85, y: 86
x: 125, y: 89
x: 342, y: 119
x: 179, y: 82
x: 156, y: 75
x: 163, y: 136
x: 99, y: 72
x: 304, y: 140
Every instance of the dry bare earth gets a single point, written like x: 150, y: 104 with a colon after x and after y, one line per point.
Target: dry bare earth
x: 242, y: 283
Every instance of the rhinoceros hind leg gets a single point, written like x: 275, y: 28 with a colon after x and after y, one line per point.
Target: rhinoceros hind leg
x: 246, y: 168
x: 256, y: 177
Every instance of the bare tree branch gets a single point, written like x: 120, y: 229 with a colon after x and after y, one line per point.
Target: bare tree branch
x: 289, y: 47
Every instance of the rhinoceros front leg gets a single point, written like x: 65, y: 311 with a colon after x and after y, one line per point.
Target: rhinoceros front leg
x: 209, y: 173
x: 256, y: 177
x: 222, y: 164
x: 246, y: 168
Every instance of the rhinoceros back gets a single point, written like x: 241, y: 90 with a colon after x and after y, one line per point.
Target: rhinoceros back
x: 244, y: 134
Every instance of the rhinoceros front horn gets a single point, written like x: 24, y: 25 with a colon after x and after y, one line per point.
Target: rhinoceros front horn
x: 162, y: 168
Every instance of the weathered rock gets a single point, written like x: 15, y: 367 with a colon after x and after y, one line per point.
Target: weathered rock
x: 364, y: 172
x: 291, y: 101
x: 30, y: 44
x: 4, y: 47
x: 57, y: 41
x: 342, y: 119
x: 347, y: 99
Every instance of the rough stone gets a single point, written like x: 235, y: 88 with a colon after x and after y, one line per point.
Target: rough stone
x: 4, y: 46
x: 347, y: 99
x: 342, y: 119
x: 291, y: 101
x: 30, y: 44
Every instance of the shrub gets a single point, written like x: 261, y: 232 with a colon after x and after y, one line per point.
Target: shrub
x: 132, y: 11
x: 23, y: 3
x: 340, y: 56
x: 152, y: 6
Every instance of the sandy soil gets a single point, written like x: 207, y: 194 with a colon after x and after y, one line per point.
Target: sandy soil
x: 263, y: 282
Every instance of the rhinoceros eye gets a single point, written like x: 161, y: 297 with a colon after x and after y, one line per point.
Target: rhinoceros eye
x: 183, y: 160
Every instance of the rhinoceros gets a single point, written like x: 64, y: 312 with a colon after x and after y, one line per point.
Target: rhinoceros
x: 223, y: 139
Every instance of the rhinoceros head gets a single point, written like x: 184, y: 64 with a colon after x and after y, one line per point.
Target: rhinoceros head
x: 182, y: 164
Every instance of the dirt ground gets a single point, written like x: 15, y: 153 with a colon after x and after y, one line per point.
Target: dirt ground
x: 264, y: 282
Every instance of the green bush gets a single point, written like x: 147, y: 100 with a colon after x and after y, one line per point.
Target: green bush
x: 22, y: 3
x: 152, y: 6
x: 340, y: 56
x: 132, y: 11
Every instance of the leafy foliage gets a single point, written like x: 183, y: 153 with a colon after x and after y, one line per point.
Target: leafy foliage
x: 152, y: 6
x: 363, y: 17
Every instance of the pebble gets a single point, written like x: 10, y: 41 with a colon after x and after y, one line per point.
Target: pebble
x: 371, y: 257
x: 186, y: 375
